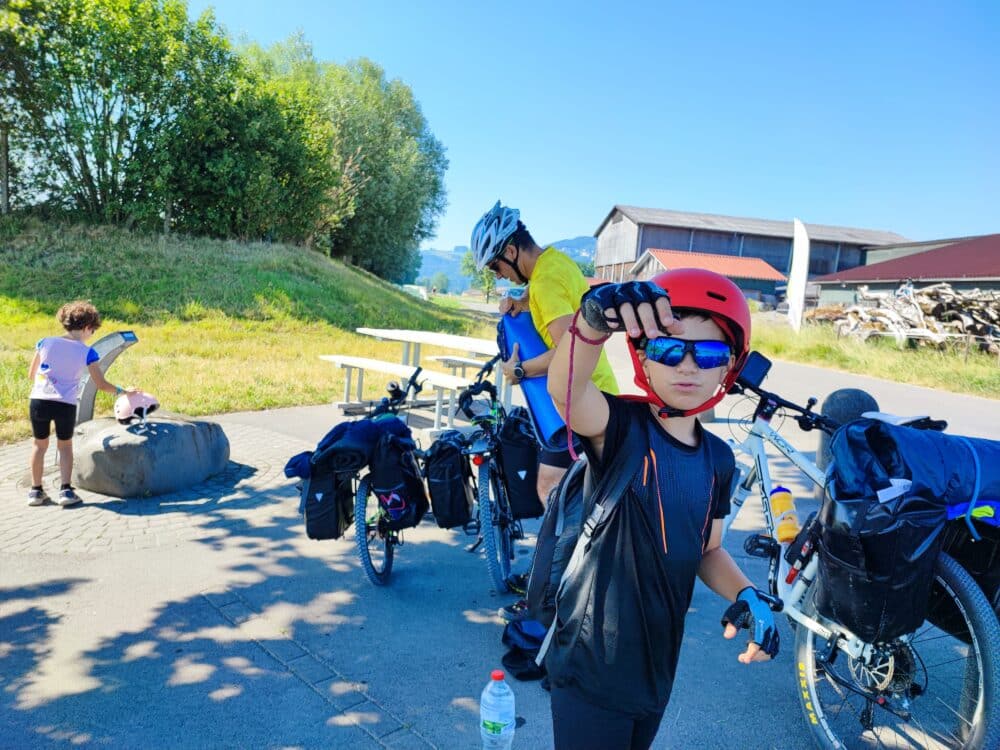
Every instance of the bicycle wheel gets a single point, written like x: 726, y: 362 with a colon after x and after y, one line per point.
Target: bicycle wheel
x: 495, y: 526
x: 375, y: 542
x: 937, y: 691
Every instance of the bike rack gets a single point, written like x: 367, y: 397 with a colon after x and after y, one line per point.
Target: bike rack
x: 108, y: 348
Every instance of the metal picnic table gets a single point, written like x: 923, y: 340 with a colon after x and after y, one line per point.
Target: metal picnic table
x: 412, y: 340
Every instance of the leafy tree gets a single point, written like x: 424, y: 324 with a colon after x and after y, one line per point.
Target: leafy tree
x: 243, y: 164
x: 484, y: 280
x: 290, y: 70
x: 440, y: 282
x: 586, y: 267
x: 95, y: 85
x: 402, y: 165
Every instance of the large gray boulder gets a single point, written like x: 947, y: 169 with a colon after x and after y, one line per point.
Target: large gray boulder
x: 171, y: 453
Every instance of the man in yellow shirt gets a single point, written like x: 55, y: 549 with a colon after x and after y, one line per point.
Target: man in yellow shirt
x: 502, y: 243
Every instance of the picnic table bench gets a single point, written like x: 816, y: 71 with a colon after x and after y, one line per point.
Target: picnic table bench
x: 441, y: 382
x: 454, y: 362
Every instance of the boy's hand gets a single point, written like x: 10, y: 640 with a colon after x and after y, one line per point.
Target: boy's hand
x: 752, y: 610
x: 638, y: 307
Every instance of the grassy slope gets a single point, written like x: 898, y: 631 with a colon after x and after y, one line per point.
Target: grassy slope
x: 222, y: 326
x: 225, y: 326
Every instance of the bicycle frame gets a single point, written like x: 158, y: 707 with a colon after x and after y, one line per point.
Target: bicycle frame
x: 754, y: 447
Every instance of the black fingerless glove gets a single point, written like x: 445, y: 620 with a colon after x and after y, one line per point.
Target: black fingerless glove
x: 612, y: 296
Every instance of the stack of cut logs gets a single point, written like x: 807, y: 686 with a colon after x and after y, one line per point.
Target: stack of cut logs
x: 935, y: 315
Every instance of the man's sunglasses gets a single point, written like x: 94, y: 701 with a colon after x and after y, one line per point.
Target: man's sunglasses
x: 671, y: 352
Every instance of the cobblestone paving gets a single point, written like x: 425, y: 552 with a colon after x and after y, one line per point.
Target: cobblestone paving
x: 253, y: 490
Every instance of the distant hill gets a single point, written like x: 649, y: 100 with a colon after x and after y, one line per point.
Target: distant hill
x: 449, y: 262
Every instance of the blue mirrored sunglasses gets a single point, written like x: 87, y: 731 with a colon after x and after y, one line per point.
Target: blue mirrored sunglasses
x: 671, y: 352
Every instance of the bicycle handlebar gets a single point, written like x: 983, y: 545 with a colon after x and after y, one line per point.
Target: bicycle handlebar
x: 769, y: 403
x: 399, y: 395
x: 478, y: 385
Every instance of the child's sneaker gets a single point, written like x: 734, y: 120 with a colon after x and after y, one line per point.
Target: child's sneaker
x: 518, y: 583
x: 68, y: 497
x: 37, y: 497
x: 514, y: 612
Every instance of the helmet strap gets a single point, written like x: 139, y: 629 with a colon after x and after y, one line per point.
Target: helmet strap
x: 513, y: 263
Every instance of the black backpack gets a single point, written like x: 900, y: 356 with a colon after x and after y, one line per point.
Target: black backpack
x: 519, y: 461
x: 449, y: 480
x: 563, y: 522
x: 328, y: 504
x: 396, y: 481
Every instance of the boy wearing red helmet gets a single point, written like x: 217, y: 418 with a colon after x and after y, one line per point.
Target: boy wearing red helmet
x: 620, y: 613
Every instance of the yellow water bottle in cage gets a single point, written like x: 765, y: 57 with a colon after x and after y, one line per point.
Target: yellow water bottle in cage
x: 783, y: 510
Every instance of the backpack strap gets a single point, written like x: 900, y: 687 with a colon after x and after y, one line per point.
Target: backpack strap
x: 576, y: 468
x: 609, y: 490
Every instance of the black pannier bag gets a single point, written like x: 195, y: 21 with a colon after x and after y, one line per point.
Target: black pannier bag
x: 328, y: 504
x: 449, y: 480
x: 396, y: 481
x: 519, y: 461
x: 883, y: 520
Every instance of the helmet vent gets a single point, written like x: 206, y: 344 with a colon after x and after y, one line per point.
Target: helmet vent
x: 716, y: 295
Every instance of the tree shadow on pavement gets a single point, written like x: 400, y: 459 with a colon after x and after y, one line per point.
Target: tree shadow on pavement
x: 287, y: 644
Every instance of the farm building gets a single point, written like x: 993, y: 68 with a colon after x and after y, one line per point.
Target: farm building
x: 628, y: 233
x: 967, y: 264
x: 756, y: 277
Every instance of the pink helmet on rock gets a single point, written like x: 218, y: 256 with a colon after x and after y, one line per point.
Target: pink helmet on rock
x: 136, y: 405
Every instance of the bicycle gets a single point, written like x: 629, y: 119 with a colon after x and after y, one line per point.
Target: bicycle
x: 374, y: 534
x: 496, y: 523
x: 934, y: 688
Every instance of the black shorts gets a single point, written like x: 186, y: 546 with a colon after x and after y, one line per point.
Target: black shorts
x: 555, y: 452
x: 43, y: 413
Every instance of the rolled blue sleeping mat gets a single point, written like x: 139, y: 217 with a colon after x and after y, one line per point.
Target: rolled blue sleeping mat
x: 520, y: 330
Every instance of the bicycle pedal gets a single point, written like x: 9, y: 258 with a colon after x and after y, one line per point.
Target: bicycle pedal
x: 761, y: 545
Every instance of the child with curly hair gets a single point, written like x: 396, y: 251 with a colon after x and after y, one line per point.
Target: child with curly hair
x: 56, y: 371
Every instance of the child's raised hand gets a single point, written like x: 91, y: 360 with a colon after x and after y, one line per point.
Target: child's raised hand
x: 639, y: 308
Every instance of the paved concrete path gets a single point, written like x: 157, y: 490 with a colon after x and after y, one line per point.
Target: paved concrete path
x: 206, y: 618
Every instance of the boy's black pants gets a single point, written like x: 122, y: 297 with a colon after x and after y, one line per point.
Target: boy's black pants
x: 579, y: 725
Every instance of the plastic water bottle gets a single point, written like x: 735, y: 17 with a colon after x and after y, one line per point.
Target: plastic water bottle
x: 520, y: 330
x: 496, y: 713
x: 783, y: 510
x: 786, y: 529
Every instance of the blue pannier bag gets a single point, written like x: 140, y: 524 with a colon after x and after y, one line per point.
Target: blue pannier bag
x: 888, y: 497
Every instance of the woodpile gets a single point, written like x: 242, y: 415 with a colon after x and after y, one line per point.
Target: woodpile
x: 935, y: 315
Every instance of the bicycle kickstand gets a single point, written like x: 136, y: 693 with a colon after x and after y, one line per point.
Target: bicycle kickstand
x: 475, y: 545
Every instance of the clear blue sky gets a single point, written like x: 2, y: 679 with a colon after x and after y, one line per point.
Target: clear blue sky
x: 883, y: 115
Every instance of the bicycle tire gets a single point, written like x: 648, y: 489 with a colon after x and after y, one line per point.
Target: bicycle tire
x: 496, y: 535
x: 376, y: 546
x: 957, y: 600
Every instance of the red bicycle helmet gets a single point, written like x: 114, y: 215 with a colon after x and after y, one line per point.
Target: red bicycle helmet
x: 720, y: 299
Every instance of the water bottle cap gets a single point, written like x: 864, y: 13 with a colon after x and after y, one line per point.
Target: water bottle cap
x: 496, y: 674
x: 779, y: 488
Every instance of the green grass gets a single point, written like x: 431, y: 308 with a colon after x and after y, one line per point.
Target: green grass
x: 879, y: 357
x: 222, y: 326
x: 225, y: 326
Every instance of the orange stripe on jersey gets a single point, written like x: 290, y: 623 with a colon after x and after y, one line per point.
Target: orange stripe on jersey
x: 659, y: 499
x: 708, y: 513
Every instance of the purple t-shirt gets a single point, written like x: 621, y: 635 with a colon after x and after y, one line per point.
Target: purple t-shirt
x: 62, y: 365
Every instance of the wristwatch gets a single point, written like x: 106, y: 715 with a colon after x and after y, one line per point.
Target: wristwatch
x: 519, y: 371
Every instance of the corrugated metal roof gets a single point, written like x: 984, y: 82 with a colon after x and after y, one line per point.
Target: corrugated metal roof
x: 978, y: 258
x: 728, y: 265
x: 763, y: 227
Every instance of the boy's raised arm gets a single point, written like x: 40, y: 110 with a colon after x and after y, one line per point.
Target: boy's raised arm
x: 587, y: 408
